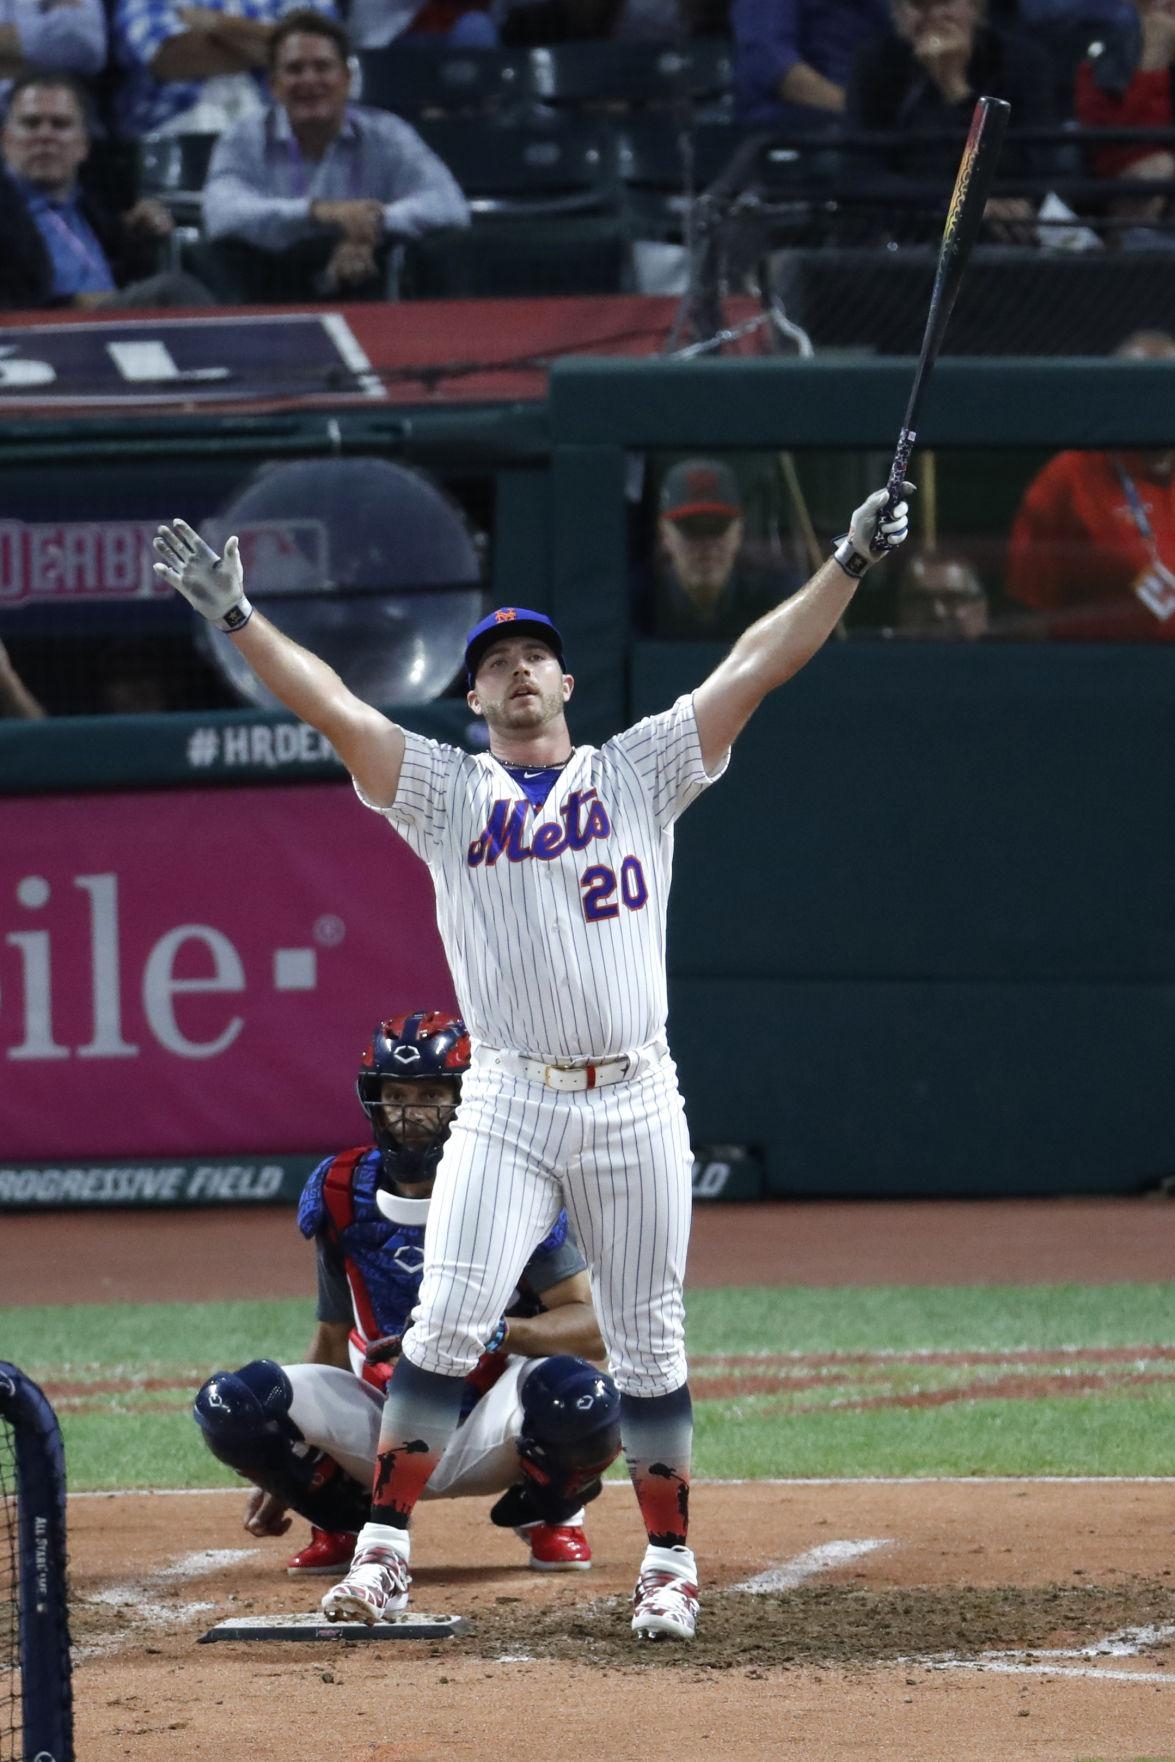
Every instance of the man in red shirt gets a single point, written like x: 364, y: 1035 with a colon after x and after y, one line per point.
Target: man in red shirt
x: 1132, y: 88
x: 1093, y: 542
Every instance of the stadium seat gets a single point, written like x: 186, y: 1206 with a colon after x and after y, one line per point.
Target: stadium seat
x: 173, y: 168
x: 548, y: 215
x: 532, y: 169
x: 416, y: 81
x: 610, y: 75
x: 711, y: 77
x: 660, y: 167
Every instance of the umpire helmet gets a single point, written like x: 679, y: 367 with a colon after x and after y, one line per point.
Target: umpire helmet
x: 416, y: 1048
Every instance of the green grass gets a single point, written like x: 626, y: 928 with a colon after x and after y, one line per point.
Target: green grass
x: 908, y: 1317
x: 151, y: 1338
x: 851, y: 1420
x: 1112, y: 1436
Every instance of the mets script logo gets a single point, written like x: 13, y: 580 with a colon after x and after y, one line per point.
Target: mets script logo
x: 584, y: 818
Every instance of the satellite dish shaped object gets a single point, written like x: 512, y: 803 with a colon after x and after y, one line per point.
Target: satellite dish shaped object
x: 370, y: 565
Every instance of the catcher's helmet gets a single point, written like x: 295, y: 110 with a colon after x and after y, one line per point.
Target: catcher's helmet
x: 416, y: 1048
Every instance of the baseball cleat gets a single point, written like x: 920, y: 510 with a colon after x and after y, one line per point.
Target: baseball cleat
x: 665, y: 1601
x: 326, y: 1551
x: 376, y: 1585
x: 558, y: 1547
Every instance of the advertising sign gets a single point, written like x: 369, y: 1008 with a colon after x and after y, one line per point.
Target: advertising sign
x: 80, y: 562
x: 196, y: 973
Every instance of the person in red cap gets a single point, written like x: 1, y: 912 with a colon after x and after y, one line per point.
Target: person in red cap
x: 704, y: 586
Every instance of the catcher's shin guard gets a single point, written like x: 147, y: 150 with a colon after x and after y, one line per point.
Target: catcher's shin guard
x: 570, y: 1435
x: 245, y: 1418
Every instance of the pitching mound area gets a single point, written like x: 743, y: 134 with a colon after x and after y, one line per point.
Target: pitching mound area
x: 890, y: 1621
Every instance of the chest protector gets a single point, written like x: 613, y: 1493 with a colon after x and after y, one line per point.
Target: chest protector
x: 383, y: 1259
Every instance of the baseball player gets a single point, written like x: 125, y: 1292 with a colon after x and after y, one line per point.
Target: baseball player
x: 551, y: 864
x: 538, y: 1423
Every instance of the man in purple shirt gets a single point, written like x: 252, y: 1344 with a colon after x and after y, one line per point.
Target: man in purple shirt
x: 792, y: 58
x: 58, y: 248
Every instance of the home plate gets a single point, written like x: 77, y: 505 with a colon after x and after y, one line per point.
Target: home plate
x: 412, y: 1625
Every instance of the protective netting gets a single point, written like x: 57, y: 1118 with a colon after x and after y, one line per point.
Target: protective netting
x: 36, y: 1718
x: 11, y: 1719
x: 1067, y: 264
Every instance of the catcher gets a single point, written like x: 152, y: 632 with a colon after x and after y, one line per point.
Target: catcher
x: 539, y: 1422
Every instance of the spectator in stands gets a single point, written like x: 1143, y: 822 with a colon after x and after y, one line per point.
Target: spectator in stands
x: 457, y: 24
x: 312, y: 192
x: 1129, y: 85
x: 704, y: 585
x: 941, y: 597
x: 68, y: 36
x: 15, y: 697
x: 792, y: 58
x: 921, y: 80
x: 58, y: 247
x: 527, y: 23
x: 194, y: 69
x: 1092, y: 547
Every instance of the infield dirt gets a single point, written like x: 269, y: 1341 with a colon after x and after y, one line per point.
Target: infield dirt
x: 849, y: 1663
x: 924, y: 1648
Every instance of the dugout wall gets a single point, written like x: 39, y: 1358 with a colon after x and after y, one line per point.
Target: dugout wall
x: 922, y: 938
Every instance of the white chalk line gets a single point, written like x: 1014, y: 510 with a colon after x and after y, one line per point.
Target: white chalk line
x: 813, y: 1561
x: 1127, y: 1642
x: 138, y: 1598
x: 1162, y: 1677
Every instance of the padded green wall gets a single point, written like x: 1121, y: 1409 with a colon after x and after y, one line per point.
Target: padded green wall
x: 922, y: 937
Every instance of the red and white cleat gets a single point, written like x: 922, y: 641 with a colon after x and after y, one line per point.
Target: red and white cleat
x: 557, y: 1547
x: 665, y: 1602
x: 326, y: 1551
x: 376, y: 1585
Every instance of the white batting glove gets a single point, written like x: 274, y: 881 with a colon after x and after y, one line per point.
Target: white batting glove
x: 214, y: 585
x: 873, y: 533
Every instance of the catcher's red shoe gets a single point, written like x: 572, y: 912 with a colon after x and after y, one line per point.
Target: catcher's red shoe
x: 325, y: 1552
x: 558, y: 1547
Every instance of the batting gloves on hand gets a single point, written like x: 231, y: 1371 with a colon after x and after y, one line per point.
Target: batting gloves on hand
x: 873, y: 532
x: 214, y: 585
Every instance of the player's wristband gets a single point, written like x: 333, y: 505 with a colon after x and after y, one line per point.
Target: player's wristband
x: 237, y: 616
x: 498, y: 1338
x: 852, y: 561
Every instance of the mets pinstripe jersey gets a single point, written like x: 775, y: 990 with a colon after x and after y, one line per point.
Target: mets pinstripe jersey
x: 553, y: 916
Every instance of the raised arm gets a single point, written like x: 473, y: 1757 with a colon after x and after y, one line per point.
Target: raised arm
x: 778, y: 645
x: 371, y: 746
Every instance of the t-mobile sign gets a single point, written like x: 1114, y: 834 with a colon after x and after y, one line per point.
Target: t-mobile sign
x: 198, y: 971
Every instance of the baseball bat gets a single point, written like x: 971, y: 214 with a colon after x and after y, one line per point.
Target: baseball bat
x: 973, y: 183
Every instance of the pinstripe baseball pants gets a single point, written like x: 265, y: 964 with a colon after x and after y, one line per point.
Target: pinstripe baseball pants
x: 618, y: 1158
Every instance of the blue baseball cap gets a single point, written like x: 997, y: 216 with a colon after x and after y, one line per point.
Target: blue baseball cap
x: 509, y: 621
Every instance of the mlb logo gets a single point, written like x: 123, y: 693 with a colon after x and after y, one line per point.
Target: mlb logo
x: 279, y: 556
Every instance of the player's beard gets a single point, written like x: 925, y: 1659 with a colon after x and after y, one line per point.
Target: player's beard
x: 520, y: 715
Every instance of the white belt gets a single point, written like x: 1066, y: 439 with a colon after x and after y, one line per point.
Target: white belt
x: 570, y: 1076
